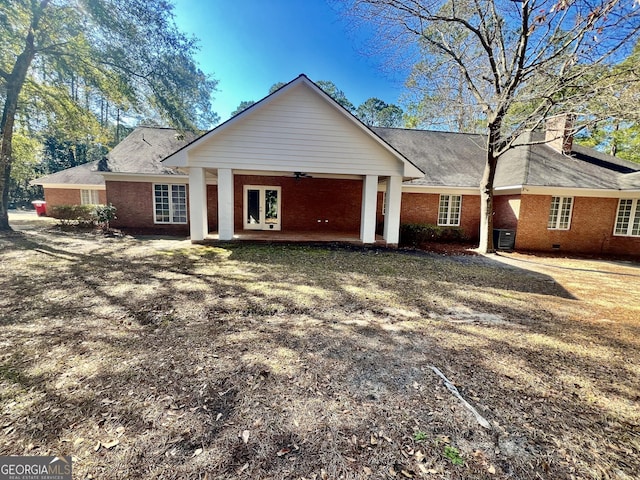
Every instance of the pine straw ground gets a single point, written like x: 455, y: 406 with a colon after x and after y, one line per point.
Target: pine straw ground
x: 152, y: 358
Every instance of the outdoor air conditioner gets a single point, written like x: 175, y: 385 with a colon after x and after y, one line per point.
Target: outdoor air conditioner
x: 504, y: 239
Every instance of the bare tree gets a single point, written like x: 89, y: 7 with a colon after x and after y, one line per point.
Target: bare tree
x: 521, y: 61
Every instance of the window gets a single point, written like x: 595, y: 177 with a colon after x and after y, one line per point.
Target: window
x: 449, y: 210
x: 628, y: 219
x: 560, y: 213
x: 170, y: 203
x: 89, y: 197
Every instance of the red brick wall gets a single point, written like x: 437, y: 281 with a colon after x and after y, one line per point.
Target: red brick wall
x: 307, y: 200
x: 134, y: 207
x: 61, y: 196
x: 68, y: 196
x: 506, y: 210
x: 423, y: 208
x: 591, y: 231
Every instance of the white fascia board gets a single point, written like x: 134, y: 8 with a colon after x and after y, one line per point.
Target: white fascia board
x: 580, y: 192
x: 508, y: 190
x: 73, y: 186
x: 144, y: 177
x: 440, y: 189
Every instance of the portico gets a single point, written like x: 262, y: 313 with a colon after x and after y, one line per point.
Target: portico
x: 295, y: 161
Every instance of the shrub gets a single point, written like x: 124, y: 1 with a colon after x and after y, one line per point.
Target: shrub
x: 104, y: 215
x: 415, y: 234
x: 74, y: 214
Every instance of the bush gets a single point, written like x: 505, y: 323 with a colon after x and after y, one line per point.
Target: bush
x: 74, y: 214
x: 415, y: 234
x: 104, y: 215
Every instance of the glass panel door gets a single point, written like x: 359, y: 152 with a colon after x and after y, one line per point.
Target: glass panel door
x: 252, y: 219
x: 271, y: 207
x: 261, y: 208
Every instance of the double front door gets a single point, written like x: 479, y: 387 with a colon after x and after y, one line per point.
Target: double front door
x: 261, y: 207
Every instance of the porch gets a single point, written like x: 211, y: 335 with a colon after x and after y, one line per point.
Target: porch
x: 294, y: 237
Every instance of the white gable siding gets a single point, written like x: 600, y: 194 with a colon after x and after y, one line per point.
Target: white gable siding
x: 296, y: 131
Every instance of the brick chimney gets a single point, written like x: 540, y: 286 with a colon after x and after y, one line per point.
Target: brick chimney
x: 559, y: 133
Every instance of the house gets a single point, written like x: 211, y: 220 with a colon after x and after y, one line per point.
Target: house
x: 81, y: 185
x: 298, y: 162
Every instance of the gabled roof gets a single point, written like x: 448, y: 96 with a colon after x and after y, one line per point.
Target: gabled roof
x: 179, y: 158
x: 84, y: 174
x: 143, y: 149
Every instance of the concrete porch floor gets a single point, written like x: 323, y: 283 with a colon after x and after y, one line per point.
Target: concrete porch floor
x: 268, y: 236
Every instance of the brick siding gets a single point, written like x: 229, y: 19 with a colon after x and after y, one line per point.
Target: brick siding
x: 134, y: 208
x: 68, y: 196
x: 423, y: 208
x: 591, y: 229
x: 506, y: 210
x: 308, y: 204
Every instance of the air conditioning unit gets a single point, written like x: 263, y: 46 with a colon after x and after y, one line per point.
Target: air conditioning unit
x: 504, y: 239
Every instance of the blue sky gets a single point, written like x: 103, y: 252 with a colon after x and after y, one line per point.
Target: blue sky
x: 248, y: 45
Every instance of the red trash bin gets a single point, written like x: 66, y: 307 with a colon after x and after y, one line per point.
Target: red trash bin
x: 40, y: 206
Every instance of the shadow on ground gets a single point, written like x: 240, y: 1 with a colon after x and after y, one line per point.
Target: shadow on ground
x: 156, y: 359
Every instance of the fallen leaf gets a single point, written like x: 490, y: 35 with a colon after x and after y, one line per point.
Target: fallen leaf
x: 218, y: 417
x: 492, y: 470
x: 392, y: 472
x: 97, y: 447
x: 283, y: 451
x: 245, y: 436
x: 407, y: 474
x: 374, y: 440
x: 367, y: 470
x: 197, y: 452
x: 350, y: 459
x: 111, y: 444
x: 323, y: 474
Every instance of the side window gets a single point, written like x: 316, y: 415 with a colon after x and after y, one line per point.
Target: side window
x: 628, y: 218
x: 449, y: 210
x: 170, y: 203
x: 560, y: 213
x: 89, y: 197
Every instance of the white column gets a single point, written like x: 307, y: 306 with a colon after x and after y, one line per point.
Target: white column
x: 368, y: 212
x: 197, y: 204
x: 393, y: 200
x: 225, y: 204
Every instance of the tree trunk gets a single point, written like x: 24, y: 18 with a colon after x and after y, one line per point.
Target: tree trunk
x: 15, y: 81
x: 486, y: 190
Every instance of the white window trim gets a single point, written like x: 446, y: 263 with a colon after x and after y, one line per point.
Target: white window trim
x: 92, y: 195
x: 448, y: 223
x: 153, y: 199
x: 635, y: 206
x: 559, y: 216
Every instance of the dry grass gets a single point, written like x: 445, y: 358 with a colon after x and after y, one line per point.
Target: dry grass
x: 149, y: 358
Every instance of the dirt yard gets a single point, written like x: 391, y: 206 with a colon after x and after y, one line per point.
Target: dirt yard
x: 153, y: 358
